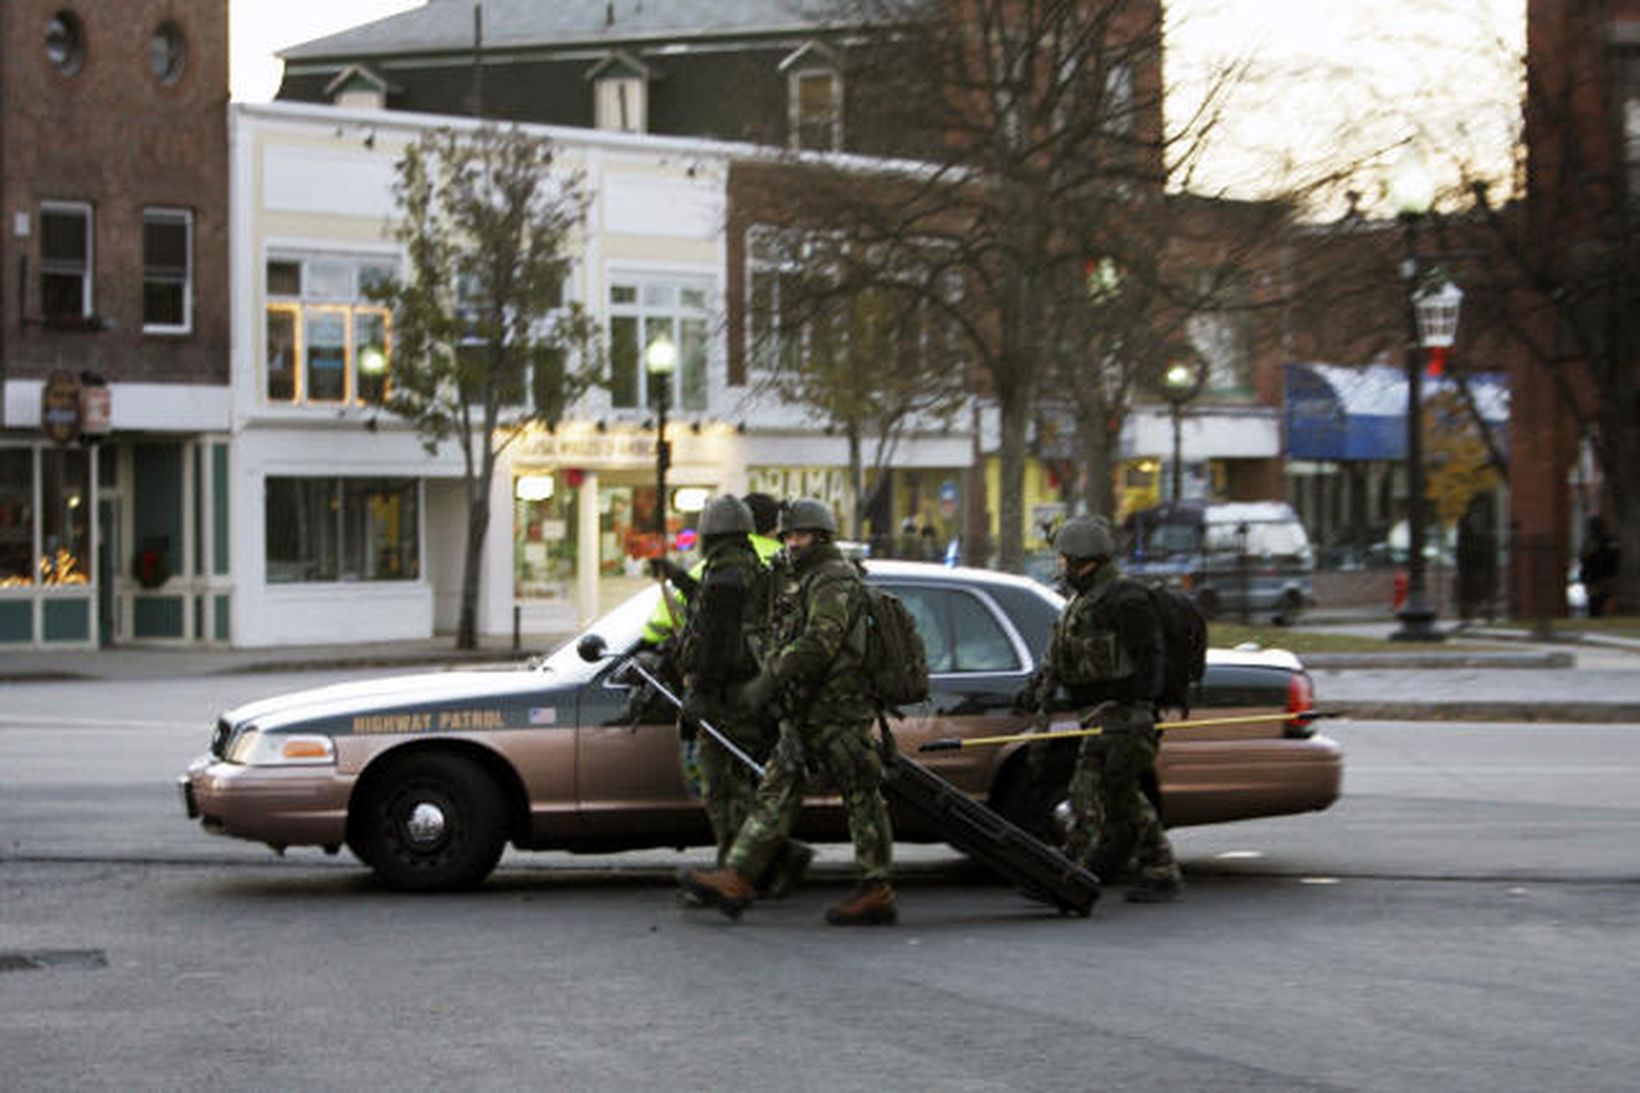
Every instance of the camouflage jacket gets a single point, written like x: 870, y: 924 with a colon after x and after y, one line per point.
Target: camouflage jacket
x: 1108, y: 644
x: 817, y: 666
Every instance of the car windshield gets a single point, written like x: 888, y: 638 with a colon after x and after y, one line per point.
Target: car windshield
x: 620, y: 629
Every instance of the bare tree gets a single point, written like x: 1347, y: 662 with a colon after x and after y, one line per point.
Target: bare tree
x: 1560, y: 285
x: 484, y: 343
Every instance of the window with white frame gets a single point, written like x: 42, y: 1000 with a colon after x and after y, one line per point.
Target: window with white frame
x: 326, y: 340
x: 65, y: 260
x: 622, y: 104
x: 644, y: 310
x: 167, y: 271
x: 815, y: 97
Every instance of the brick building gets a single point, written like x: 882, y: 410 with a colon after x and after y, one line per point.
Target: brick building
x: 114, y: 334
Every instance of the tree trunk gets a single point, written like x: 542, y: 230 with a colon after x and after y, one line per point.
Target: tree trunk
x: 1015, y: 412
x: 1098, y: 447
x: 857, y: 483
x: 472, y: 569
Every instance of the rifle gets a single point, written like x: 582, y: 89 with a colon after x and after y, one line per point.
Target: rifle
x: 594, y: 648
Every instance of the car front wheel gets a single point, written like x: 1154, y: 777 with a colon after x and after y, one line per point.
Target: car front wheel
x: 430, y: 823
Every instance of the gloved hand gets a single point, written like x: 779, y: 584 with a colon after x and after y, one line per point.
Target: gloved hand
x: 665, y: 569
x: 755, y: 694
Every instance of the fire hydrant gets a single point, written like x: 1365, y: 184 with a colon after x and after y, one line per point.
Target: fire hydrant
x: 1398, y: 591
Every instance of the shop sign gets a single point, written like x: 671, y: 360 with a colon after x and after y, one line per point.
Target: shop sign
x: 60, y: 408
x: 96, y: 410
x: 596, y: 450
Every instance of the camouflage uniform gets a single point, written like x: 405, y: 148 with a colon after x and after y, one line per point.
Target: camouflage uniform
x: 728, y: 785
x: 1107, y: 651
x: 829, y: 728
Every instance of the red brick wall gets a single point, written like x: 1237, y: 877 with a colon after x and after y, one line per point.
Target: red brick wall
x: 116, y: 137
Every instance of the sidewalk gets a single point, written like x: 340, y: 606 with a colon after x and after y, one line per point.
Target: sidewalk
x: 34, y: 665
x: 1594, y: 678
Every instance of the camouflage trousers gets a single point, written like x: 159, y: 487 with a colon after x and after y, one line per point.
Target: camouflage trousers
x: 1113, y: 821
x: 847, y: 755
x: 728, y: 786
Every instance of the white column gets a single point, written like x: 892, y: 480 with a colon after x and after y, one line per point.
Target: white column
x: 586, y: 550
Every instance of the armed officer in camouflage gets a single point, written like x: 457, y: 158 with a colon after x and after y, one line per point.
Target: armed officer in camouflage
x: 726, y: 637
x: 814, y: 677
x: 1108, y: 653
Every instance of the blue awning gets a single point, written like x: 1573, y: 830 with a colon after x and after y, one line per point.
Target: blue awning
x: 1338, y: 413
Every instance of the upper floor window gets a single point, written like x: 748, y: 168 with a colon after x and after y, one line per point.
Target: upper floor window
x: 1221, y: 331
x: 167, y: 53
x: 327, y: 342
x: 816, y: 97
x: 65, y: 42
x: 643, y: 311
x: 621, y: 104
x: 620, y: 85
x: 65, y: 260
x: 1628, y: 105
x: 167, y: 271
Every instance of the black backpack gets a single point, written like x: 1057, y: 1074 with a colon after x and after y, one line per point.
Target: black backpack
x: 1184, y: 638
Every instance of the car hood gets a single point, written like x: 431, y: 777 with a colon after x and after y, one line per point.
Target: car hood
x: 516, y: 696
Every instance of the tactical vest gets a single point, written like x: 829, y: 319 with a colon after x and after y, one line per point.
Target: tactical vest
x: 1086, y: 649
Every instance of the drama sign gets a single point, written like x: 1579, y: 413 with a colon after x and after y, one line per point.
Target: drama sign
x: 60, y: 408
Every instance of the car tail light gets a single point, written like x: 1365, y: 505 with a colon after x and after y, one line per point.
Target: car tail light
x: 1300, y: 697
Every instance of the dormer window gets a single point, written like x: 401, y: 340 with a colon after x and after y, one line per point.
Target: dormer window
x: 359, y: 88
x: 621, y: 93
x: 814, y: 98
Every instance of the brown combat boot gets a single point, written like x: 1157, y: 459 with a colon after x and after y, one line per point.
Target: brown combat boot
x: 872, y: 904
x: 724, y: 889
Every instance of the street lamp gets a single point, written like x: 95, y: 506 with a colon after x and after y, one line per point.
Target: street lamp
x: 660, y: 358
x: 1432, y: 322
x: 1181, y: 382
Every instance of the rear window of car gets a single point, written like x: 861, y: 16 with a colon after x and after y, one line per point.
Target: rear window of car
x: 960, y: 632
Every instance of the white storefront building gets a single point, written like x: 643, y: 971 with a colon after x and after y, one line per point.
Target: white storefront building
x: 343, y: 529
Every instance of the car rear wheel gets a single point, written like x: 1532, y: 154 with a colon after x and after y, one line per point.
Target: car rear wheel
x: 430, y: 823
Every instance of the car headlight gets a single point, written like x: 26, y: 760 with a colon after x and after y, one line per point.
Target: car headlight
x: 253, y: 748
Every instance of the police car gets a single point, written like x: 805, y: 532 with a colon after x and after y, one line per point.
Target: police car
x: 426, y: 778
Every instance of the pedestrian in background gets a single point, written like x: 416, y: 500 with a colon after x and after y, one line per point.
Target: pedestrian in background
x: 1601, y: 563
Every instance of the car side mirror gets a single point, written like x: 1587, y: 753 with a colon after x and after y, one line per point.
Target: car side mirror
x: 592, y: 647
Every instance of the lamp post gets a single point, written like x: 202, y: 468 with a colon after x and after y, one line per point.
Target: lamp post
x: 1181, y: 382
x: 660, y: 358
x: 1432, y: 320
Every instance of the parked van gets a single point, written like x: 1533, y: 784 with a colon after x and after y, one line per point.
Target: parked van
x: 1233, y: 558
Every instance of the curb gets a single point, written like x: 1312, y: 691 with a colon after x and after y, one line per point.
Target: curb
x: 1439, y: 660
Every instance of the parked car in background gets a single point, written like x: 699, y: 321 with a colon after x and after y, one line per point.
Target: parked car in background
x: 1233, y: 558
x: 427, y: 777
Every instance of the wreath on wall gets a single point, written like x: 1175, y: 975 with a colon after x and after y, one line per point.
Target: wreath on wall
x: 152, y: 566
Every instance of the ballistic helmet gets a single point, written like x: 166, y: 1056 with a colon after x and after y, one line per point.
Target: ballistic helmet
x: 765, y: 512
x: 726, y: 515
x: 1085, y: 537
x: 808, y: 514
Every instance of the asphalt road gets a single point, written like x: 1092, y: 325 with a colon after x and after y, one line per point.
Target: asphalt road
x: 1466, y: 917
